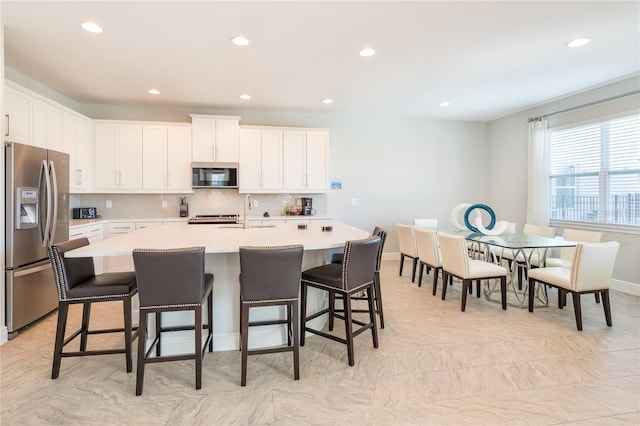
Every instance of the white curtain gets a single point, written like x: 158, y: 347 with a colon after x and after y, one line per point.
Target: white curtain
x: 538, y: 178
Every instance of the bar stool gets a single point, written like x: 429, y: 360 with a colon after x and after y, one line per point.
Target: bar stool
x: 270, y: 276
x: 172, y: 280
x: 377, y: 289
x: 356, y: 274
x: 76, y: 282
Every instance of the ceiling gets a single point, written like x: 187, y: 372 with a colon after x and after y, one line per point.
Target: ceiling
x: 487, y: 59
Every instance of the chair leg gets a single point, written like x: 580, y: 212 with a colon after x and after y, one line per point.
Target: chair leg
x: 607, y: 306
x: 142, y: 341
x: 63, y: 310
x: 597, y: 296
x: 420, y: 270
x: 503, y: 292
x: 126, y: 308
x: 348, y: 325
x: 478, y: 282
x: 86, y: 314
x: 378, y: 297
x: 532, y: 286
x: 244, y: 342
x: 401, y: 264
x: 519, y: 275
x: 293, y: 320
x: 466, y: 284
x: 413, y: 269
x: 445, y: 276
x: 577, y: 309
x: 372, y: 316
x: 303, y: 311
x: 435, y: 280
x: 198, y: 346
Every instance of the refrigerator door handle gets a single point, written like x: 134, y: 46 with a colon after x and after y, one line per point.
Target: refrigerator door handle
x: 54, y: 221
x: 31, y: 270
x: 44, y: 172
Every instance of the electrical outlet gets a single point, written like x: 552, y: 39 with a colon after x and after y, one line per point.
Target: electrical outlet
x: 109, y: 204
x: 354, y: 201
x: 164, y: 204
x: 255, y: 203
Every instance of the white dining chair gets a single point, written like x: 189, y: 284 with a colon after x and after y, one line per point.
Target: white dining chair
x: 429, y: 254
x: 408, y: 248
x: 590, y: 272
x: 426, y: 223
x: 456, y: 262
x: 567, y: 253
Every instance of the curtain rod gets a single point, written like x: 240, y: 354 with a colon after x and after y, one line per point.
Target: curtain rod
x: 541, y: 117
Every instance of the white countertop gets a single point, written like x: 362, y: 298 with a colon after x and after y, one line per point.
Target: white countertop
x: 217, y: 239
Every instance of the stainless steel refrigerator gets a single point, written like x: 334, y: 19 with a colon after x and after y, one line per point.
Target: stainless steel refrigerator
x: 36, y: 216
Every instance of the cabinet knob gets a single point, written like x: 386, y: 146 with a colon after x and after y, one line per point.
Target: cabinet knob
x: 7, y: 132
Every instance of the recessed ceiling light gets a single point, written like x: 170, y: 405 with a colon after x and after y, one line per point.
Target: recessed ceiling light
x: 245, y: 97
x: 240, y: 41
x: 92, y: 27
x: 444, y: 104
x: 327, y: 101
x: 367, y: 52
x: 578, y: 42
x: 153, y: 91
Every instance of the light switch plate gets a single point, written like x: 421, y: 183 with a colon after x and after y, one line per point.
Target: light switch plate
x: 109, y: 204
x: 164, y: 204
x: 354, y: 201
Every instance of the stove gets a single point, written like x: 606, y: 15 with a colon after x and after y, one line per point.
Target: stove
x: 219, y: 219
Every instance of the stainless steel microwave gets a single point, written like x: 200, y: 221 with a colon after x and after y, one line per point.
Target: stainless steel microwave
x: 214, y: 175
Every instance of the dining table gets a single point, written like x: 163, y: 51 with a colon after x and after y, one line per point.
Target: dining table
x: 525, y: 250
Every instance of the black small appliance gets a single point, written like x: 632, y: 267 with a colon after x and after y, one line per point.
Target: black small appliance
x: 307, y: 206
x: 84, y: 213
x: 184, y: 207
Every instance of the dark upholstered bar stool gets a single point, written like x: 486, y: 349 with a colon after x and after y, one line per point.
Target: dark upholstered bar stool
x: 76, y: 282
x: 270, y: 276
x: 172, y: 280
x: 377, y: 290
x: 356, y: 274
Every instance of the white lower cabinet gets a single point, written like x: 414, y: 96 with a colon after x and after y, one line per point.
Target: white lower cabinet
x: 93, y: 232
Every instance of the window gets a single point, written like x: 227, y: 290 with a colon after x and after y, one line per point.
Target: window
x: 594, y: 172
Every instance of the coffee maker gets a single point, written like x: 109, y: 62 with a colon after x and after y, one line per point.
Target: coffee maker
x: 307, y: 206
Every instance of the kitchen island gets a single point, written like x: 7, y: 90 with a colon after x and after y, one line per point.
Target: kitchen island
x: 221, y: 247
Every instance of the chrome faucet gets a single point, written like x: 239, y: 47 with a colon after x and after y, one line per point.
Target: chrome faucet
x: 248, y: 204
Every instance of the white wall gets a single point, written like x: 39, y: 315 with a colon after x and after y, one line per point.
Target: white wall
x: 3, y: 319
x: 507, y: 166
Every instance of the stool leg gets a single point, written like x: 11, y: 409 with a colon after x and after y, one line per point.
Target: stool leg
x: 348, y: 325
x: 158, y: 316
x: 198, y: 346
x: 303, y: 312
x: 86, y: 314
x: 289, y: 330
x: 293, y: 320
x: 210, y: 319
x: 244, y: 341
x: 63, y: 310
x: 126, y: 308
x: 142, y: 342
x: 332, y: 308
x: 372, y: 316
x: 378, y: 297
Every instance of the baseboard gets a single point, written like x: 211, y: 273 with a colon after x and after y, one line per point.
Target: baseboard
x: 625, y: 287
x: 4, y: 335
x: 619, y: 285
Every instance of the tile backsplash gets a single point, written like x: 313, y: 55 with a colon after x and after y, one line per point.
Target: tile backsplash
x: 201, y: 201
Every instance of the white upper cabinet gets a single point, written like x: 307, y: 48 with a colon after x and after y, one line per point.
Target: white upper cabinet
x: 179, y: 157
x: 118, y: 159
x: 17, y: 115
x: 260, y: 160
x: 306, y: 160
x: 47, y: 125
x: 166, y: 160
x: 214, y: 138
x: 77, y: 142
x: 317, y: 160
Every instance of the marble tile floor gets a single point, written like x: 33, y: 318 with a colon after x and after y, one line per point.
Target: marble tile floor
x: 435, y: 366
